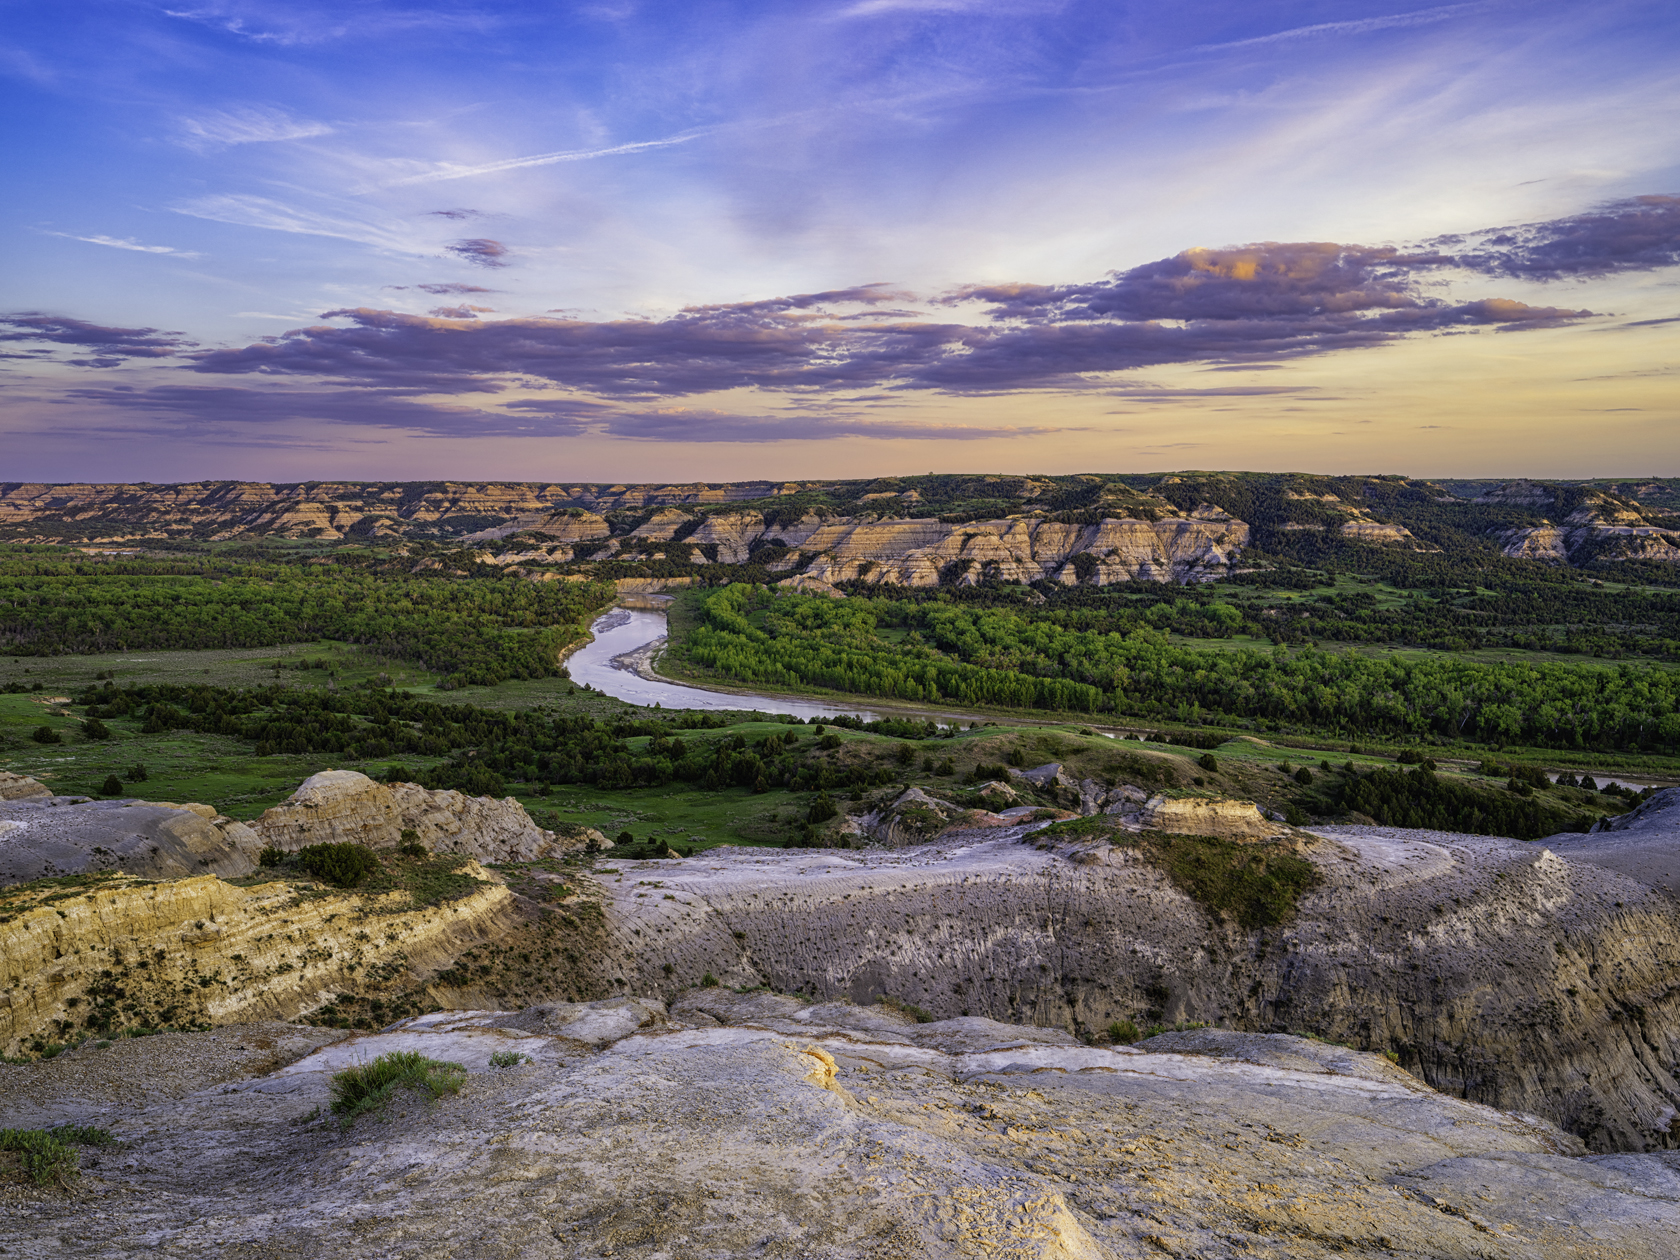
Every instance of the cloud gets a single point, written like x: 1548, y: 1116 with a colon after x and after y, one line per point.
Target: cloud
x: 128, y: 243
x: 1249, y: 306
x: 186, y: 409
x: 866, y: 294
x: 300, y: 23
x: 244, y: 210
x: 452, y: 171
x: 111, y: 346
x: 1638, y: 234
x: 1358, y: 26
x: 456, y: 214
x: 442, y: 290
x: 480, y: 251
x: 699, y: 424
x: 251, y: 124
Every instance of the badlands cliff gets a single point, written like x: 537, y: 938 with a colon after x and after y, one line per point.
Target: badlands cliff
x: 1180, y: 526
x: 1493, y: 969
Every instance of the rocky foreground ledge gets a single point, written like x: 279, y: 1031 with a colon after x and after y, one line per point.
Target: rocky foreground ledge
x: 761, y: 1125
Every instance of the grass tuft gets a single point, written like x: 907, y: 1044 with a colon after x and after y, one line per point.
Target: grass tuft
x: 369, y: 1086
x: 48, y: 1156
x: 904, y: 1008
x: 1257, y: 884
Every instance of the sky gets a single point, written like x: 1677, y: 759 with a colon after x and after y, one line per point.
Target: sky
x: 626, y: 241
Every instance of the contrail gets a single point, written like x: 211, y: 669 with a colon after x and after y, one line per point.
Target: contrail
x: 549, y: 159
x: 1419, y: 17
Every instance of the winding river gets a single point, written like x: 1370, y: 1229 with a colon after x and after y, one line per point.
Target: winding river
x: 610, y: 665
x: 626, y: 638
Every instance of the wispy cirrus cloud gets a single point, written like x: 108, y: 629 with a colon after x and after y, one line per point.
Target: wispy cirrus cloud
x: 1356, y: 26
x: 124, y: 242
x: 246, y: 210
x: 306, y: 22
x: 448, y: 171
x: 219, y: 129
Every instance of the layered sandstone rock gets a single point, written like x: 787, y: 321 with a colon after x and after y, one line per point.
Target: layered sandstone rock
x: 1601, y: 528
x: 42, y: 835
x: 924, y: 552
x: 1196, y: 816
x: 18, y: 787
x: 1367, y: 531
x: 344, y: 806
x: 199, y: 950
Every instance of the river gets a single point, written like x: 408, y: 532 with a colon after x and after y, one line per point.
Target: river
x: 606, y: 666
x: 622, y: 633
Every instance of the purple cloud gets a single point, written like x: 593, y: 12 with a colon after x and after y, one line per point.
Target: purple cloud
x: 1639, y: 234
x: 111, y: 345
x: 480, y: 251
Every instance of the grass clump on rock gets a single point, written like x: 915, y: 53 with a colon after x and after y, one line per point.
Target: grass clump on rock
x: 369, y: 1086
x: 48, y: 1157
x: 1257, y: 884
x: 343, y: 864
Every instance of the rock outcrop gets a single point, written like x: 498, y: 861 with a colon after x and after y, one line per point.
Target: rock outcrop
x: 1643, y: 844
x: 923, y: 552
x: 42, y: 836
x: 750, y: 1125
x: 1201, y: 816
x: 123, y: 952
x: 344, y: 806
x: 18, y: 787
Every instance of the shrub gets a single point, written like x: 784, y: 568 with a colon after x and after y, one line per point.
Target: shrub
x: 46, y: 735
x: 47, y: 1160
x: 1122, y: 1032
x: 822, y: 809
x: 411, y: 846
x: 905, y: 754
x: 708, y: 981
x: 93, y: 728
x: 905, y: 1008
x: 506, y: 1059
x: 341, y: 864
x: 112, y: 786
x: 625, y: 837
x: 136, y: 773
x: 1304, y: 777
x: 988, y: 771
x: 369, y: 1086
x: 1208, y: 762
x: 270, y: 856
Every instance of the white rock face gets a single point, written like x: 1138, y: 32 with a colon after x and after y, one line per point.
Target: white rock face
x: 343, y: 806
x: 43, y: 836
x: 752, y: 1125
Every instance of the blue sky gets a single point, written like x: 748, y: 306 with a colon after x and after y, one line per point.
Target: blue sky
x: 631, y: 241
